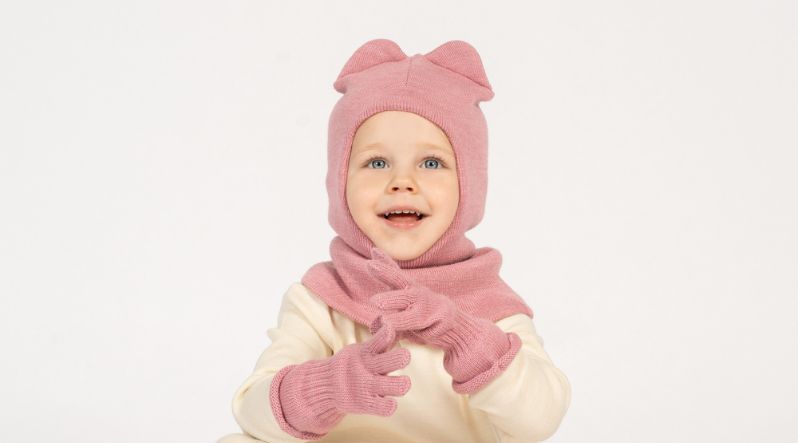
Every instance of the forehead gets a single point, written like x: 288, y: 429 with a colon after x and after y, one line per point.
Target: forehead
x: 375, y: 146
x: 399, y: 129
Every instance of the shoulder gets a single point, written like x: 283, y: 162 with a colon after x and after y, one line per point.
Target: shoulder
x: 299, y: 293
x: 300, y: 297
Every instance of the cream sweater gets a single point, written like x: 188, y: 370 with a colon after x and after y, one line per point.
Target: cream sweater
x: 526, y: 403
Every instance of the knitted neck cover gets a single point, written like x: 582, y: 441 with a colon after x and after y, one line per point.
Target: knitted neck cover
x: 444, y: 86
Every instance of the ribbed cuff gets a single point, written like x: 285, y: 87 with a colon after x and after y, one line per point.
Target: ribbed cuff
x: 498, y: 366
x: 467, y: 330
x: 306, y: 398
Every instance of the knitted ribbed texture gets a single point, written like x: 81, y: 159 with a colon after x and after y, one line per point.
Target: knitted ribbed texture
x: 445, y: 86
x: 475, y: 352
x: 475, y: 349
x: 309, y: 399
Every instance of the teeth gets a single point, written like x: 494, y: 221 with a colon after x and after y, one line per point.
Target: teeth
x: 418, y: 214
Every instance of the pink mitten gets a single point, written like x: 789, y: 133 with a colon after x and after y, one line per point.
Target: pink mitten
x: 475, y: 350
x: 309, y: 399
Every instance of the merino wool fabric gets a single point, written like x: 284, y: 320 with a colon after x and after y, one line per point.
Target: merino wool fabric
x: 445, y: 86
x: 525, y: 404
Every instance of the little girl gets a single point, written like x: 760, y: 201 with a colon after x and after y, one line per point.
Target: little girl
x: 407, y: 177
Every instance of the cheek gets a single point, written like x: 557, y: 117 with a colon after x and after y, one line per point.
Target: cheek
x: 361, y: 196
x: 446, y: 195
x: 454, y: 191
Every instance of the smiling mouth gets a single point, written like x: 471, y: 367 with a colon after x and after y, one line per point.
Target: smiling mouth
x: 403, y: 218
x: 403, y: 221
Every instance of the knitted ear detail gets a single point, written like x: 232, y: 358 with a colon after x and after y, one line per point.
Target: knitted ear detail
x: 459, y: 56
x: 371, y: 53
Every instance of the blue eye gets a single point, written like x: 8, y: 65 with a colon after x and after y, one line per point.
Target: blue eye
x: 373, y: 159
x: 436, y: 161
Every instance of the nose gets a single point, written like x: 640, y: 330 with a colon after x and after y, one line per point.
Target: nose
x: 403, y: 183
x: 408, y: 187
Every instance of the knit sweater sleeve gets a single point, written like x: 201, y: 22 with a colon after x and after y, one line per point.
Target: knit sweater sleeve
x: 304, y: 332
x: 528, y: 401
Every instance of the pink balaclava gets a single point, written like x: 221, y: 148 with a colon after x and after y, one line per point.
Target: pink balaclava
x: 444, y: 86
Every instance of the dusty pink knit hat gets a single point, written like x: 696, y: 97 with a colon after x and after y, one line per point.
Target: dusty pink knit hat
x: 444, y: 86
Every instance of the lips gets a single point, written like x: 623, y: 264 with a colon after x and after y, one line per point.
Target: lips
x: 403, y: 218
x: 402, y: 208
x: 402, y: 221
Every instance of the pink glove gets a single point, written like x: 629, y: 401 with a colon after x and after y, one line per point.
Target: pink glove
x: 475, y: 350
x: 309, y: 399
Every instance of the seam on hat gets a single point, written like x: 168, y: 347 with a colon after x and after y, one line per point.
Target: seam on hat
x: 410, y: 66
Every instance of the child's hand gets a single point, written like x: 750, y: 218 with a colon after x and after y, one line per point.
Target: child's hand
x: 362, y: 384
x: 474, y: 348
x: 409, y: 308
x: 418, y: 312
x: 315, y: 395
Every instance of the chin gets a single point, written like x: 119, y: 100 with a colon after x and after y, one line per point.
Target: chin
x: 398, y: 257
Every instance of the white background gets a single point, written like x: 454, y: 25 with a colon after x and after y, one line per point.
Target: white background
x: 162, y: 184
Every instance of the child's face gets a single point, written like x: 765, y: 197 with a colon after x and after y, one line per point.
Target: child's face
x: 401, y: 172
